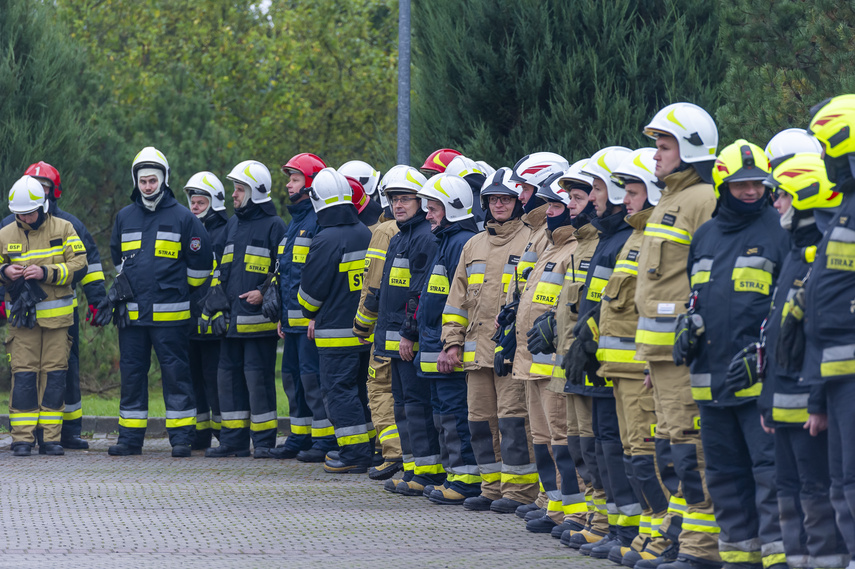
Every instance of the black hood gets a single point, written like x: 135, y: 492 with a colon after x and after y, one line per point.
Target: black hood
x: 338, y: 215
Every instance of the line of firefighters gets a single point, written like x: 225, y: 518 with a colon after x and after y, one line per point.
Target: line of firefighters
x: 588, y: 345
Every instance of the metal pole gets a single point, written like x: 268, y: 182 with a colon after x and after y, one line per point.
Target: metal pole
x: 403, y: 81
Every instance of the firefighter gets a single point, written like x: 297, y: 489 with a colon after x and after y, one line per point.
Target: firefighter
x: 796, y: 413
x: 380, y: 399
x: 162, y: 253
x: 471, y: 172
x: 363, y: 179
x: 438, y: 160
x: 329, y: 294
x: 449, y: 211
x: 41, y: 257
x: 498, y: 421
x: 616, y: 352
x: 206, y: 198
x: 311, y: 430
x: 535, y: 329
x: 247, y: 299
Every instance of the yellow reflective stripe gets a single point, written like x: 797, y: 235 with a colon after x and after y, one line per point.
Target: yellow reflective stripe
x: 325, y: 432
x: 227, y: 258
x: 298, y: 254
x: 58, y: 250
x: 464, y: 478
x: 399, y: 276
x: 337, y: 342
x: 668, y: 233
x: 357, y: 265
x: 741, y: 556
x: 54, y: 312
x: 306, y: 304
x: 774, y: 559
x: 365, y: 319
x: 438, y: 284
x: 256, y: 263
x: 428, y: 469
x: 235, y: 423
x: 790, y: 415
x: 576, y: 508
x: 300, y: 429
x: 700, y: 522
x: 265, y: 426
x: 170, y: 316
x: 133, y: 423
x: 749, y: 279
x: 753, y: 391
x: 395, y: 345
x: 507, y: 478
x: 72, y: 415
x: 92, y: 277
x: 628, y: 521
x: 546, y: 293
x: 204, y: 425
x: 700, y: 277
x: 541, y: 369
x: 595, y: 289
x: 353, y: 439
x: 376, y: 254
x: 164, y: 248
x: 182, y: 422
x: 23, y: 419
x: 625, y: 266
x: 478, y: 278
x: 449, y: 318
x: 835, y: 368
x: 249, y: 328
x: 840, y: 256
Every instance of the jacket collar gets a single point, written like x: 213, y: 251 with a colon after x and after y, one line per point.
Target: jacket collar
x: 679, y: 181
x: 536, y: 218
x: 638, y: 220
x: 562, y: 235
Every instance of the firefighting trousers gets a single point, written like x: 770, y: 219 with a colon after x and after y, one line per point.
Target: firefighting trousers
x: 39, y: 358
x: 310, y: 426
x: 451, y: 414
x: 582, y: 446
x: 72, y: 416
x: 343, y: 378
x: 501, y: 438
x: 624, y: 509
x: 841, y: 455
x: 680, y: 457
x: 741, y: 480
x: 204, y: 361
x: 548, y: 420
x: 811, y: 536
x: 246, y: 381
x: 382, y: 406
x: 171, y: 346
x: 637, y: 419
x: 414, y: 417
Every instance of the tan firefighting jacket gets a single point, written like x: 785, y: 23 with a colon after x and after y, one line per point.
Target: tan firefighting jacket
x: 366, y: 314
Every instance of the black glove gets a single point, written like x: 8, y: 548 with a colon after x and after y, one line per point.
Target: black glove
x: 790, y: 349
x: 581, y: 358
x: 410, y: 326
x: 270, y: 304
x: 114, y: 306
x: 505, y: 350
x: 104, y: 313
x: 28, y: 293
x: 742, y: 372
x: 689, y: 329
x: 508, y: 314
x: 541, y: 337
x: 215, y: 308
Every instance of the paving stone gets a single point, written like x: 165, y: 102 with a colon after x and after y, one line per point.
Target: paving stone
x: 93, y: 511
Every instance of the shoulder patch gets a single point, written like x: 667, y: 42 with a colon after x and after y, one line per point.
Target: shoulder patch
x: 14, y: 248
x: 195, y: 243
x: 585, y: 265
x: 549, y: 267
x: 669, y: 219
x: 513, y: 259
x: 758, y: 250
x: 843, y: 219
x: 632, y: 256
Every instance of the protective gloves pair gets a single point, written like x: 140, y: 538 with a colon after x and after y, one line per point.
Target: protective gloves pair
x: 115, y: 305
x: 687, y: 334
x: 24, y: 294
x: 581, y: 359
x: 790, y: 349
x: 541, y: 337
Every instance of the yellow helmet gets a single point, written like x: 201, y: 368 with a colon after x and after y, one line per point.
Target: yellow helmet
x: 803, y: 177
x: 833, y: 123
x: 739, y: 161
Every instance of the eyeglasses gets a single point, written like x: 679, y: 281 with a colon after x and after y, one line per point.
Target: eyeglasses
x: 403, y: 200
x: 504, y: 200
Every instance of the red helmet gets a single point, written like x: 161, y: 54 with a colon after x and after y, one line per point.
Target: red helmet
x: 306, y: 164
x: 359, y: 197
x: 44, y: 171
x: 439, y: 160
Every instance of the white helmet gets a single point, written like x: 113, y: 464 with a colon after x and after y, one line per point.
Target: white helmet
x: 485, y: 168
x: 535, y: 168
x: 26, y: 196
x: 208, y: 185
x: 499, y: 183
x: 150, y: 157
x: 255, y: 175
x: 791, y: 141
x: 575, y: 175
x: 693, y: 127
x: 602, y: 164
x: 454, y: 193
x: 552, y: 190
x: 462, y: 166
x: 639, y: 166
x: 402, y: 178
x: 330, y: 188
x: 363, y: 172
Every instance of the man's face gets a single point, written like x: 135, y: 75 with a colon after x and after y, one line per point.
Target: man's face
x: 554, y: 209
x: 635, y: 197
x: 667, y: 155
x: 599, y: 196
x: 435, y: 213
x: 241, y: 190
x: 29, y: 218
x: 578, y: 201
x: 748, y: 191
x: 148, y: 185
x: 296, y: 182
x: 783, y: 202
x: 501, y: 207
x: 404, y: 206
x: 198, y: 204
x: 527, y: 192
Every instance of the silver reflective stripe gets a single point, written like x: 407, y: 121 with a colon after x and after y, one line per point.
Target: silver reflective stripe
x: 467, y: 469
x: 427, y: 460
x: 439, y: 270
x: 370, y: 426
x: 256, y: 319
x: 168, y: 236
x: 309, y: 299
x: 616, y: 343
x: 429, y: 357
x: 573, y: 498
x: 509, y: 269
x: 295, y: 314
x: 334, y: 333
x: 323, y: 424
x: 390, y: 336
x: 180, y: 414
x: 70, y: 407
x: 284, y: 242
x: 133, y: 307
x: 263, y: 418
x: 476, y: 268
x: 469, y: 346
x: 838, y: 353
x: 302, y: 241
x: 554, y: 495
x: 761, y: 263
x: 235, y: 415
x: 790, y: 400
x: 490, y: 468
x: 744, y: 545
x: 401, y: 262
x: 702, y: 265
x: 51, y: 304
x: 630, y: 509
x: 353, y: 256
x: 842, y: 234
x: 94, y: 268
x: 171, y: 307
x: 202, y: 417
x: 125, y: 414
x: 772, y: 548
x: 529, y: 257
x: 657, y: 324
x: 541, y: 358
x: 601, y: 272
x: 217, y: 418
x: 197, y: 274
x: 521, y: 469
x: 258, y: 251
x: 301, y: 421
x: 456, y: 311
x: 554, y: 278
x: 348, y: 431
x: 135, y: 236
x: 611, y: 507
x: 230, y: 248
x: 700, y: 379
x: 559, y: 361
